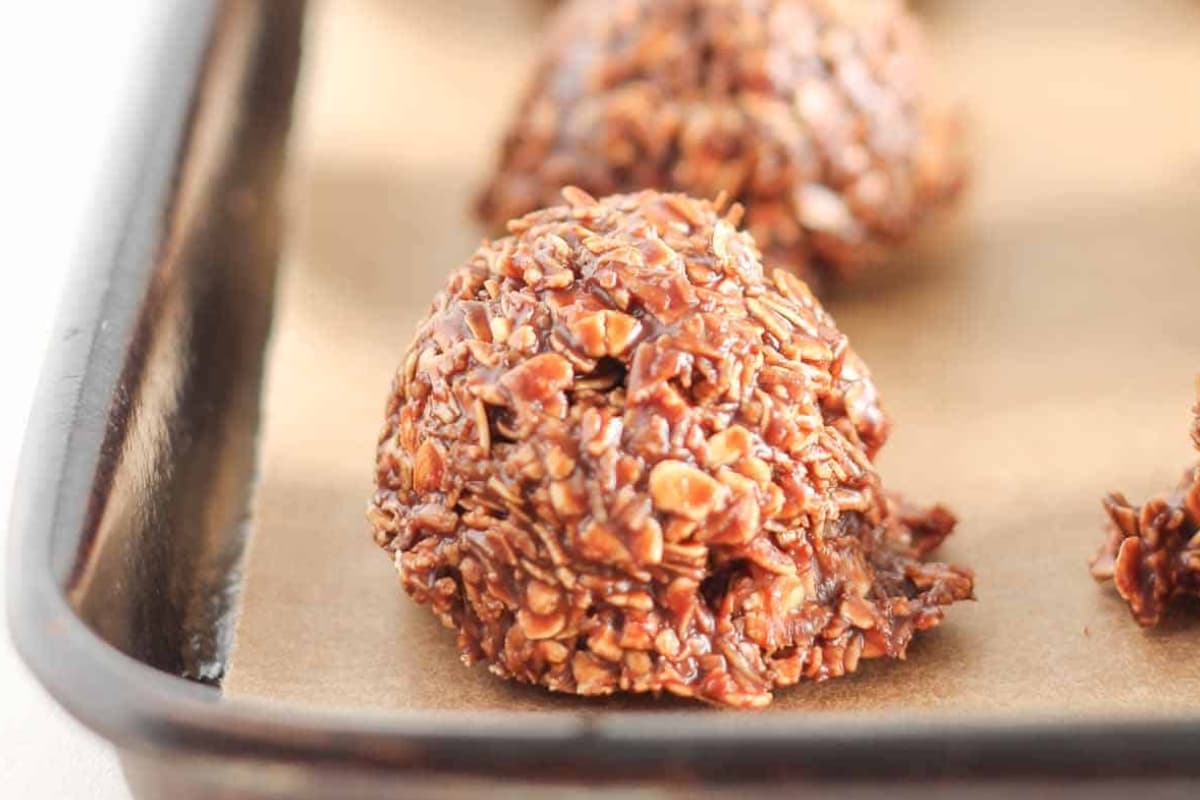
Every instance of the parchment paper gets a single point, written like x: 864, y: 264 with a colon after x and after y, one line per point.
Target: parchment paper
x: 1040, y: 352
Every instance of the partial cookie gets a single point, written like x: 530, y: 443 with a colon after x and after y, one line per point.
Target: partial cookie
x: 815, y: 114
x: 620, y: 457
x: 1152, y: 554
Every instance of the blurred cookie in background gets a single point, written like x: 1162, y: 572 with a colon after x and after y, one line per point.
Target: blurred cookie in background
x: 814, y: 114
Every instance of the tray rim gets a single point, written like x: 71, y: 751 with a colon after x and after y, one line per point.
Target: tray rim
x: 140, y: 708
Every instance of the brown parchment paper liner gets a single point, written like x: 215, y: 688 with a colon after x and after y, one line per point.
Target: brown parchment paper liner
x: 1040, y: 352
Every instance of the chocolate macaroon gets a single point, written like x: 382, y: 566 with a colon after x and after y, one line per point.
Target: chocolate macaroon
x: 621, y: 456
x: 1152, y: 553
x: 816, y: 115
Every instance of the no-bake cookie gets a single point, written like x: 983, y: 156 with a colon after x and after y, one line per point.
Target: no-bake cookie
x: 1152, y: 554
x: 619, y: 455
x: 817, y: 115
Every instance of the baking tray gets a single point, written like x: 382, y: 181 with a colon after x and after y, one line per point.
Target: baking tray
x: 136, y: 491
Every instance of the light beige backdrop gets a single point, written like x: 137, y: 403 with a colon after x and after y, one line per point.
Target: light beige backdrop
x: 1040, y: 352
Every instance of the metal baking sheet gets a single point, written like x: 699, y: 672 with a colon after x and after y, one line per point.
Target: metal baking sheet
x: 1039, y: 353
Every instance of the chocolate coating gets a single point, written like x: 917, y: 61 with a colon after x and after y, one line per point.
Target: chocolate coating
x: 619, y: 456
x: 814, y: 114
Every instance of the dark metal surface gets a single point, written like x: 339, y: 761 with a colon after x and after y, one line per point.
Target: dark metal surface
x: 129, y: 520
x: 157, y: 572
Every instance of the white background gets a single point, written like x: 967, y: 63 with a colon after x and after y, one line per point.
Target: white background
x: 69, y: 78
